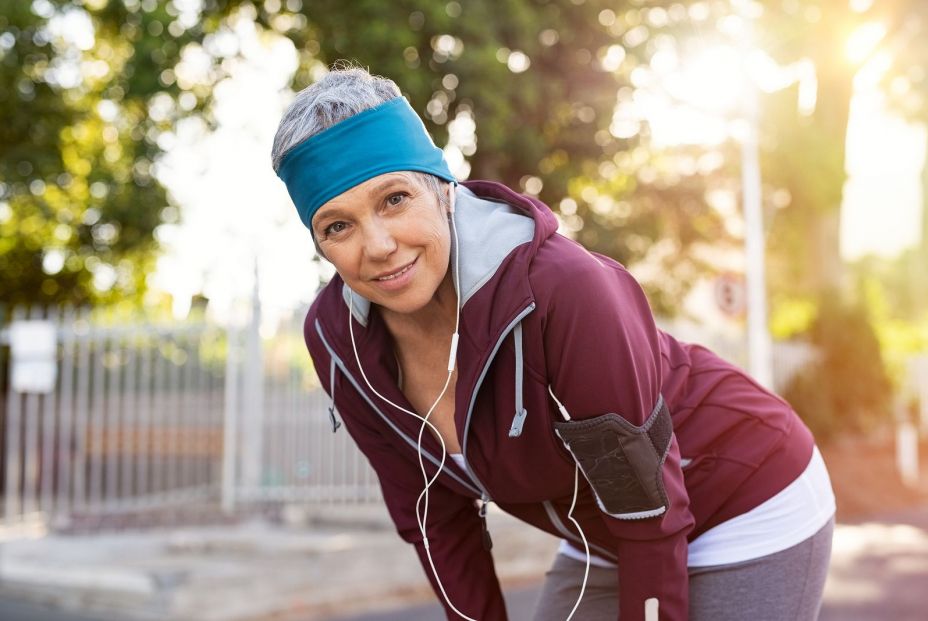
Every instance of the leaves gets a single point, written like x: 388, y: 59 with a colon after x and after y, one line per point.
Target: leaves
x: 88, y: 116
x: 78, y: 155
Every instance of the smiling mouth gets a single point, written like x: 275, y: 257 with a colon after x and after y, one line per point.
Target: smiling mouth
x: 396, y: 274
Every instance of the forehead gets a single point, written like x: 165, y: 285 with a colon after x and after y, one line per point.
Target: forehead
x: 358, y: 195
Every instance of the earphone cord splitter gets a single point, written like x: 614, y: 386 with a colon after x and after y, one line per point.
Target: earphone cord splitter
x: 422, y: 512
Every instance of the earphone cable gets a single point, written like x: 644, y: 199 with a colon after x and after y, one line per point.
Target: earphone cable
x: 422, y: 502
x: 422, y: 516
x: 570, y: 513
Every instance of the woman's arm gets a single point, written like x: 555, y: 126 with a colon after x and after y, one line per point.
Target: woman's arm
x: 454, y: 528
x: 603, y: 357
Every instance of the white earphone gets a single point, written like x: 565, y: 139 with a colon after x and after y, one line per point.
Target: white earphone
x: 422, y: 509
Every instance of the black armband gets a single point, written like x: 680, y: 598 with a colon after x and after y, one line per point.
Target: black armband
x: 622, y: 462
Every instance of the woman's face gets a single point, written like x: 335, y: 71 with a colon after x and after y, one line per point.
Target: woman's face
x: 389, y: 240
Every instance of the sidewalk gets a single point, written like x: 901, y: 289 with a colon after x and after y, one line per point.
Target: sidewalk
x: 879, y: 569
x: 343, y: 561
x: 350, y: 560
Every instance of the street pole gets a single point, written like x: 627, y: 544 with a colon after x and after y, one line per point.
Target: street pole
x: 759, y: 346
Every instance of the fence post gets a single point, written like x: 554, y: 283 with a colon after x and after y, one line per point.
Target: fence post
x: 918, y: 369
x: 230, y: 422
x: 253, y: 399
x: 47, y: 453
x: 31, y: 445
x: 12, y: 501
x: 66, y: 416
x: 907, y: 452
x: 84, y: 342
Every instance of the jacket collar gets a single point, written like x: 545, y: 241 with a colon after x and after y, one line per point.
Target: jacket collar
x: 494, y: 275
x: 500, y: 232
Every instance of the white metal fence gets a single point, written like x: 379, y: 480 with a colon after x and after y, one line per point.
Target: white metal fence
x: 789, y: 357
x: 129, y: 422
x: 284, y: 449
x: 142, y: 416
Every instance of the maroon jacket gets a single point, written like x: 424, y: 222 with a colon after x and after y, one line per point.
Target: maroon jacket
x: 539, y: 309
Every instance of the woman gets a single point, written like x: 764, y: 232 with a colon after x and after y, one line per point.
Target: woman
x: 531, y: 360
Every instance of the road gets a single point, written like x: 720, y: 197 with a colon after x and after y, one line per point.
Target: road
x: 910, y: 606
x: 16, y: 610
x: 879, y: 571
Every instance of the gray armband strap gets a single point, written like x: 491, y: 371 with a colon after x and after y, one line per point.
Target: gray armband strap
x: 622, y: 462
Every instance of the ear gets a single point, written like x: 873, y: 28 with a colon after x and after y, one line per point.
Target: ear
x: 451, y: 196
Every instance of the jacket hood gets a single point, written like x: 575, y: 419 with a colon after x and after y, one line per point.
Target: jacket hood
x: 499, y: 232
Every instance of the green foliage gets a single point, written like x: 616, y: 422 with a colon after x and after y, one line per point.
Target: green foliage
x: 78, y: 200
x: 791, y: 316
x: 903, y: 282
x: 847, y: 389
x: 895, y: 294
x: 808, y: 395
x: 547, y: 126
x: 79, y: 203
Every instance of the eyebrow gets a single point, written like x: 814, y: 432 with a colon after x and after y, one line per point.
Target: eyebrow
x: 386, y: 184
x: 330, y: 212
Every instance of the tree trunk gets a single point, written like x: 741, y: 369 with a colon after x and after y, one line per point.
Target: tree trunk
x: 923, y: 245
x: 806, y: 155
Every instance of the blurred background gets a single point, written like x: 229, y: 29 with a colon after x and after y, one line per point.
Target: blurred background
x: 165, y: 451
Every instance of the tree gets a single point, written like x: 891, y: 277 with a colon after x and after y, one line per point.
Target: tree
x: 906, y: 86
x: 539, y: 78
x: 86, y: 95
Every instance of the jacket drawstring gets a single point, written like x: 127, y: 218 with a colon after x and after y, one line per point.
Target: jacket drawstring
x: 519, y: 420
x: 335, y: 423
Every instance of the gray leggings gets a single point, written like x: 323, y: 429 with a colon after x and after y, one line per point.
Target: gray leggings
x: 785, y: 586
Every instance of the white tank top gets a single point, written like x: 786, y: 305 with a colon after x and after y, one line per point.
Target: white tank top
x: 790, y: 517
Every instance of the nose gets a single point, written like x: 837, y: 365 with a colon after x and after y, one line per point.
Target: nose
x: 379, y: 242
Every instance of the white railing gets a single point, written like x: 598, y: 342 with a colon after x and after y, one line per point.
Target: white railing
x: 146, y: 416
x: 285, y: 449
x: 129, y: 423
x: 915, y: 387
x: 789, y: 357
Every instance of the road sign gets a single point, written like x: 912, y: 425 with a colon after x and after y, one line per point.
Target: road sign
x: 33, y: 345
x: 730, y: 294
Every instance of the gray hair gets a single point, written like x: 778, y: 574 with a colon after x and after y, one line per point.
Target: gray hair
x: 343, y: 92
x: 340, y: 94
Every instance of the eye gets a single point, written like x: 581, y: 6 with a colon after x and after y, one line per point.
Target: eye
x: 396, y: 199
x: 335, y: 228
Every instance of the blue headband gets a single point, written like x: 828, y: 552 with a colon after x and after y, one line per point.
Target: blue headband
x: 387, y: 138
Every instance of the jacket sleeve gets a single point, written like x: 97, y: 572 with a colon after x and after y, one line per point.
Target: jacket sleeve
x: 603, y: 356
x: 453, y: 526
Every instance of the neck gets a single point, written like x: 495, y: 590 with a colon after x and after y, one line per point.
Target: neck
x: 434, y: 319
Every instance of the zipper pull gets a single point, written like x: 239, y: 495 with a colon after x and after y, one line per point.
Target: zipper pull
x: 517, y: 422
x: 335, y: 423
x: 482, y: 512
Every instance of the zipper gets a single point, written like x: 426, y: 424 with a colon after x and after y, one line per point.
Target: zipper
x: 390, y: 423
x: 484, y: 495
x: 335, y: 423
x: 473, y: 396
x: 482, y: 491
x: 482, y: 512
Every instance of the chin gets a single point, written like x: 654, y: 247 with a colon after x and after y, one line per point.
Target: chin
x: 404, y: 304
x: 408, y: 300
